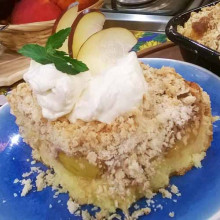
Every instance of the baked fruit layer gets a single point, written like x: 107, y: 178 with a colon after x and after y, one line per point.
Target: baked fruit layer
x: 112, y: 165
x: 204, y: 27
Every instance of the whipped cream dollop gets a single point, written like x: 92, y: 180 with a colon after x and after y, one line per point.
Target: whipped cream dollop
x: 56, y: 92
x: 102, y: 97
x: 113, y: 92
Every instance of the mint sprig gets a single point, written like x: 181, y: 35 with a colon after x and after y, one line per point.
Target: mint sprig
x: 50, y: 54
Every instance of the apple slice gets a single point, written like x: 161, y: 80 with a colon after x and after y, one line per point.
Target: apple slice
x: 65, y: 20
x: 87, y: 23
x: 105, y: 47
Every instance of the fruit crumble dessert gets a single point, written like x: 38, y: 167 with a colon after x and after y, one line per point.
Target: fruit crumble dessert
x: 112, y: 129
x: 204, y: 27
x: 112, y: 165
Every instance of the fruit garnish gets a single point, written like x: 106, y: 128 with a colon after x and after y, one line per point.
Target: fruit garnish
x: 49, y: 54
x: 108, y: 45
x: 65, y: 20
x: 87, y: 23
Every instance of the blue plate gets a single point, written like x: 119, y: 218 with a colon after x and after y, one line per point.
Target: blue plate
x: 200, y: 188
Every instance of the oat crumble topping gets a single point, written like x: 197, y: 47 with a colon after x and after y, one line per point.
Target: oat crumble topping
x: 204, y: 27
x: 168, y: 106
x: 121, y: 150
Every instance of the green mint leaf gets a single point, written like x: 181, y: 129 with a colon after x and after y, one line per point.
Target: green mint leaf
x: 56, y: 40
x: 49, y: 54
x: 61, y: 53
x: 78, y: 65
x: 62, y: 64
x: 64, y: 67
x: 35, y: 52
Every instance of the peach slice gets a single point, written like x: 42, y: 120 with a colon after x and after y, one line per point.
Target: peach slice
x: 87, y: 23
x: 65, y: 20
x: 105, y: 47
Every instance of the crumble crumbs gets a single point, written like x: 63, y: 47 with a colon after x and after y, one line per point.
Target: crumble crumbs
x: 159, y: 206
x: 174, y: 189
x: 44, y: 179
x: 178, y: 194
x: 40, y: 183
x: 86, y: 215
x: 140, y: 212
x: 165, y: 193
x: 136, y: 206
x: 95, y: 208
x: 33, y: 162
x: 16, y: 180
x: 77, y: 213
x: 149, y: 202
x: 72, y: 206
x: 27, y: 186
x: 114, y: 216
x: 15, y: 194
x: 56, y: 194
x: 24, y: 175
x: 171, y: 214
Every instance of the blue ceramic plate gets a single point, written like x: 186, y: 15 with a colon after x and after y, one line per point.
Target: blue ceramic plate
x: 200, y: 188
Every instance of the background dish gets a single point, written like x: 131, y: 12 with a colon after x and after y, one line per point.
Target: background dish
x: 199, y: 187
x: 191, y: 50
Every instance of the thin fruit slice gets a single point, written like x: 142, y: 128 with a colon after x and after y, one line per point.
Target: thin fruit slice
x: 65, y: 20
x: 86, y: 24
x: 105, y: 47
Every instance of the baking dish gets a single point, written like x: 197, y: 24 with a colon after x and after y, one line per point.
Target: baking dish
x: 191, y: 50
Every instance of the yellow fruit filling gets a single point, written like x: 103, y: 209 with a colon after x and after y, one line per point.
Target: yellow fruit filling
x: 79, y: 166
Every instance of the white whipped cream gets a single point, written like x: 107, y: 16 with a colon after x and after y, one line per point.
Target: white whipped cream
x: 113, y: 92
x: 85, y: 96
x: 56, y: 92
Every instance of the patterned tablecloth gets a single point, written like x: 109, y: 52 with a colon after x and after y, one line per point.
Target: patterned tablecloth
x: 145, y: 40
